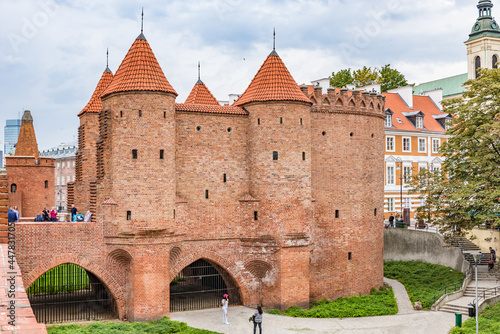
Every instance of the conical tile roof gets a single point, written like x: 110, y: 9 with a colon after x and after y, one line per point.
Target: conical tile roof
x: 200, y: 94
x: 95, y: 103
x: 139, y: 71
x: 272, y: 82
x: 26, y: 142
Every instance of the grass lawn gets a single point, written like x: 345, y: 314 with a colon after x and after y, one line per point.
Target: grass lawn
x: 380, y: 302
x: 422, y: 280
x: 489, y: 322
x: 66, y: 277
x: 162, y: 326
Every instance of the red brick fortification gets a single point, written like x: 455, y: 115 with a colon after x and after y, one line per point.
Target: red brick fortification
x: 281, y: 192
x: 4, y: 207
x: 30, y: 177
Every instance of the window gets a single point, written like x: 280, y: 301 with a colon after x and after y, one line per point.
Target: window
x: 129, y: 215
x: 303, y: 155
x: 389, y: 140
x: 388, y: 120
x: 390, y: 175
x: 258, y: 121
x: 46, y: 184
x: 407, y: 174
x: 374, y: 212
x: 206, y: 194
x: 337, y: 214
x: 406, y: 144
x: 165, y: 116
x: 349, y: 256
x: 477, y: 65
x: 224, y: 178
x: 436, y: 144
x: 422, y: 145
x: 134, y: 154
x: 62, y: 164
x: 494, y: 61
x: 275, y: 155
x: 423, y: 200
x: 255, y: 215
x: 301, y: 121
x: 407, y: 201
x: 281, y: 120
x: 121, y: 113
x: 162, y: 154
x: 390, y: 204
x: 140, y: 113
x: 63, y: 180
x: 420, y: 122
x: 13, y: 188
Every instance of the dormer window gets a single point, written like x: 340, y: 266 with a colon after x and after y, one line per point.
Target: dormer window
x: 419, y: 122
x: 388, y: 118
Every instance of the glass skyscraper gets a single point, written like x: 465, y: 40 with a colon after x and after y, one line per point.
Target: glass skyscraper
x: 11, y: 132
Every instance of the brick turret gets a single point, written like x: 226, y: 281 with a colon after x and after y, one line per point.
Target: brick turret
x: 280, y: 170
x: 30, y: 177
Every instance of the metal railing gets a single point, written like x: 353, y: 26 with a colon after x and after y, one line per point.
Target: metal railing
x: 491, y: 292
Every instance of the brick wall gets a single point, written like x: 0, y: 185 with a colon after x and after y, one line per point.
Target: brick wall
x: 4, y: 207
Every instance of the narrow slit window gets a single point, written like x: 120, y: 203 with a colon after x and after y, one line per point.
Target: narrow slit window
x: 162, y: 154
x: 258, y: 121
x: 134, y: 154
x: 275, y: 155
x: 129, y: 215
x: 206, y: 194
x: 174, y: 213
x: 13, y: 188
x: 46, y: 184
x: 255, y: 215
x: 140, y: 113
x: 164, y: 114
x: 281, y: 120
x: 303, y: 155
x: 224, y: 178
x: 349, y: 256
x: 301, y: 121
x: 374, y: 212
x: 337, y: 214
x: 121, y: 113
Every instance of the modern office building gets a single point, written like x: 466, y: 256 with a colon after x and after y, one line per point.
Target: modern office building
x: 11, y: 132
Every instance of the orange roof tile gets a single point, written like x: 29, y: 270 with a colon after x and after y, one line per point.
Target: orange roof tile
x: 139, y: 70
x: 95, y: 103
x: 273, y: 82
x: 420, y: 103
x: 210, y: 109
x: 200, y: 94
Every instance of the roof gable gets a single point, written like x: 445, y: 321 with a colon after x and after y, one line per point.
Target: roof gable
x: 200, y: 94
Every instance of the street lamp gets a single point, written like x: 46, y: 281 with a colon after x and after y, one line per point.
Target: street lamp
x: 477, y: 258
x: 431, y: 169
x: 400, y: 168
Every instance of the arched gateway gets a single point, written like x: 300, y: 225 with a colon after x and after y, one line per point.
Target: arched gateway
x: 201, y: 285
x: 69, y: 292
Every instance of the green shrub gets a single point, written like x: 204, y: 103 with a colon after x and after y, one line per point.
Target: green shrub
x: 489, y: 323
x: 422, y: 280
x: 162, y: 326
x: 379, y: 302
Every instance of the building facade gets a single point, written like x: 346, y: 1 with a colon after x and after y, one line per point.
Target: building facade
x: 64, y: 157
x: 11, y: 133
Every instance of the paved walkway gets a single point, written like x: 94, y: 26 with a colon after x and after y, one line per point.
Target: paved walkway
x: 407, y: 321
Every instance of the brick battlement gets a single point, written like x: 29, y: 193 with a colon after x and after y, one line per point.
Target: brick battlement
x: 20, y: 161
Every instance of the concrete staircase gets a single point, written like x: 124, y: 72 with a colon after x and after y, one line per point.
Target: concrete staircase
x: 468, y: 246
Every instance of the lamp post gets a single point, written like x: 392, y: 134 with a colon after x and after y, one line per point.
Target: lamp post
x: 400, y: 168
x: 477, y: 258
x: 431, y: 169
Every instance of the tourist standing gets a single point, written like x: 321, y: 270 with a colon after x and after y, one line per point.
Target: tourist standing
x: 225, y: 304
x: 45, y: 215
x: 53, y: 215
x: 11, y: 215
x: 17, y: 213
x: 74, y: 211
x: 257, y: 320
x: 493, y: 254
x: 391, y: 220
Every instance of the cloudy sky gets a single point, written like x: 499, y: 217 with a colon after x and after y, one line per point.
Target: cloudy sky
x: 53, y: 52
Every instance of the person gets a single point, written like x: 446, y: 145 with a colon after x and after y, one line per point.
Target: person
x: 225, y: 304
x: 17, y: 213
x: 74, y: 211
x: 53, y: 214
x: 257, y: 320
x: 391, y: 221
x: 11, y: 215
x: 88, y: 217
x: 493, y: 254
x: 45, y: 215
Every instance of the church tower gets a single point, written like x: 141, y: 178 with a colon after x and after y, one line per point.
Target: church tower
x: 483, y: 45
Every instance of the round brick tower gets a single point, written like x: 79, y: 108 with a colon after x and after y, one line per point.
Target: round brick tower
x: 347, y: 181
x: 136, y: 150
x: 280, y: 172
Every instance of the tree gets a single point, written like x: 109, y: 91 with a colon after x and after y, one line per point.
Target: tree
x: 470, y: 193
x: 391, y: 78
x: 342, y: 78
x: 366, y: 76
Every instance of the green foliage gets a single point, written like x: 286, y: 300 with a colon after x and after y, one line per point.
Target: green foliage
x: 59, y: 280
x: 342, y: 78
x: 429, y: 184
x: 381, y: 302
x: 391, y: 78
x: 387, y: 77
x: 422, y: 280
x: 162, y: 326
x: 470, y: 193
x: 489, y: 322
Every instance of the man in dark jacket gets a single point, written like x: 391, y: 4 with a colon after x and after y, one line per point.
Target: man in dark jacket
x: 11, y: 215
x: 73, y: 212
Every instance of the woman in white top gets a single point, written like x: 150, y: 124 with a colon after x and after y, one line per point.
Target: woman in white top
x: 225, y: 304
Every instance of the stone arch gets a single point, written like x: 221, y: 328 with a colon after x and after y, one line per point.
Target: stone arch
x: 230, y: 267
x: 258, y: 268
x: 108, y: 280
x: 120, y: 257
x: 175, y: 254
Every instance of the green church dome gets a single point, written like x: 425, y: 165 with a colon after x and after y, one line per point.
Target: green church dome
x: 485, y: 25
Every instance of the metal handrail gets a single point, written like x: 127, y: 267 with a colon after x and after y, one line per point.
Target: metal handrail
x: 484, y: 293
x: 439, y: 294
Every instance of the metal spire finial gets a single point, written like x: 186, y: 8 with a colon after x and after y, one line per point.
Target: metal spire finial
x: 142, y: 20
x: 107, y: 57
x: 274, y: 39
x: 198, y: 70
